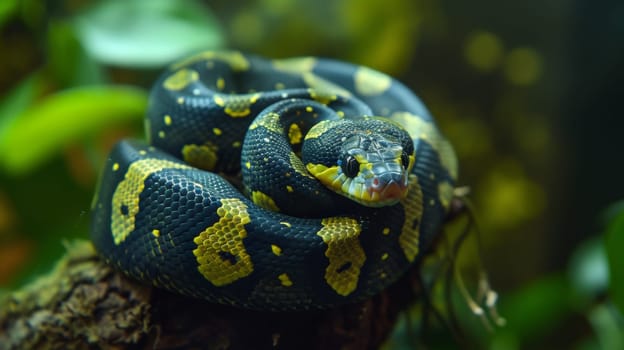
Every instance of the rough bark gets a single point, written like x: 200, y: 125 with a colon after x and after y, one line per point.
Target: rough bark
x: 85, y: 304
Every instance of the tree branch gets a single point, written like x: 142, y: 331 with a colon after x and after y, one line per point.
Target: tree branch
x: 85, y: 304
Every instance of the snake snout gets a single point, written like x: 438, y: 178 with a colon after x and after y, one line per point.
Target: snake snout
x: 390, y: 186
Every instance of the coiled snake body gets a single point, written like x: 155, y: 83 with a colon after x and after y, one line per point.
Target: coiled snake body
x: 347, y: 180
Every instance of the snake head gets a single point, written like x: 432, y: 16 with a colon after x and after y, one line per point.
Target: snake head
x: 368, y: 162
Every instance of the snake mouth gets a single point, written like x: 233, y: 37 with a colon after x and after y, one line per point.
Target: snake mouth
x: 386, y: 190
x: 393, y: 190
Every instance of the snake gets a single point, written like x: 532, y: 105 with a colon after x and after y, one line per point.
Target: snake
x: 274, y: 184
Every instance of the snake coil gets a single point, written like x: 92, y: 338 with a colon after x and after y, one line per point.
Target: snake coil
x: 165, y: 214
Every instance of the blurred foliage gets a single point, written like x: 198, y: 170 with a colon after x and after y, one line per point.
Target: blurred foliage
x: 146, y: 33
x: 500, y: 79
x: 614, y: 239
x: 63, y: 117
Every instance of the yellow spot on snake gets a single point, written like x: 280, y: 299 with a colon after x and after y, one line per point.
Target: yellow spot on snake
x: 369, y: 82
x: 328, y: 176
x: 297, y: 164
x: 126, y: 195
x: 156, y: 232
x: 318, y: 84
x: 320, y: 128
x: 309, y: 109
x: 115, y: 166
x: 322, y: 96
x: 386, y: 231
x: 289, y: 188
x: 235, y: 59
x: 248, y: 165
x: 236, y: 144
x: 340, y: 114
x: 345, y: 254
x: 448, y: 157
x: 269, y: 121
x: 167, y: 119
x: 294, y: 134
x: 221, y: 255
x: 237, y: 106
x: 384, y: 256
x: 217, y: 131
x: 287, y: 224
x: 295, y: 65
x: 276, y: 250
x: 220, y: 83
x: 410, y: 232
x: 180, y: 79
x: 161, y: 134
x: 200, y: 156
x: 263, y: 200
x: 218, y: 100
x: 180, y: 100
x: 286, y: 282
x: 142, y: 152
x: 417, y: 126
x: 445, y: 194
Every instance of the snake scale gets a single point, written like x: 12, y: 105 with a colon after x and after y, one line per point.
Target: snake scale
x: 285, y: 184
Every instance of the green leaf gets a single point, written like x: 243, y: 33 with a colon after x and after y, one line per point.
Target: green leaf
x: 614, y: 245
x: 147, y: 33
x: 17, y: 101
x: 7, y: 8
x: 67, y: 59
x: 588, y: 268
x: 607, y: 327
x: 535, y: 309
x: 61, y: 118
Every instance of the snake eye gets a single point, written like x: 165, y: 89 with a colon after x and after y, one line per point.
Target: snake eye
x: 350, y: 166
x: 405, y: 160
